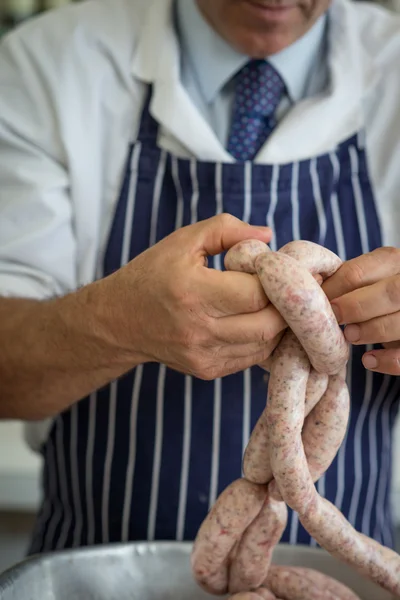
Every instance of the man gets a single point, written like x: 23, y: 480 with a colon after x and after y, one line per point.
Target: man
x: 127, y: 129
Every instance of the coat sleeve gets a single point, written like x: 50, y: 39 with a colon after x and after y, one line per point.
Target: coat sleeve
x: 37, y: 245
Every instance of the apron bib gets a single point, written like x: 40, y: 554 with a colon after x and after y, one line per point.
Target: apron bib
x: 145, y: 457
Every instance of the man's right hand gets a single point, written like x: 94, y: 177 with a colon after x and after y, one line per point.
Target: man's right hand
x: 164, y: 306
x: 167, y: 306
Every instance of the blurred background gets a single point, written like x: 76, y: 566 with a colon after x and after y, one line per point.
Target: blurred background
x: 20, y: 468
x: 14, y: 11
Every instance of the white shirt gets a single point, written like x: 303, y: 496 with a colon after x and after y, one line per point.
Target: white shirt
x: 209, y: 64
x: 71, y: 94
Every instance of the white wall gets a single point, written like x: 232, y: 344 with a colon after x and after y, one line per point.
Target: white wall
x: 19, y: 470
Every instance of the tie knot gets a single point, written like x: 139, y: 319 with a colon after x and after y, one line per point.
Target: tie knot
x: 259, y: 89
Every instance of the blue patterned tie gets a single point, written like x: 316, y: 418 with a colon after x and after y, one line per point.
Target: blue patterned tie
x: 259, y: 90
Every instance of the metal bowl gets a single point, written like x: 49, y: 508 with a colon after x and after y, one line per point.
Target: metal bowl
x: 144, y: 571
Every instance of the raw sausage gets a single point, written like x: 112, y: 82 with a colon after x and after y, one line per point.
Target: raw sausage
x: 335, y: 534
x: 296, y: 583
x: 306, y: 309
x: 316, y: 259
x: 252, y: 558
x: 285, y: 418
x: 261, y: 594
x: 256, y: 462
x: 294, y: 442
x: 237, y: 506
x: 325, y: 427
x: 295, y: 483
x: 242, y: 257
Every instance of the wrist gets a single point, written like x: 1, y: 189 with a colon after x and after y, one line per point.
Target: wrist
x: 95, y: 315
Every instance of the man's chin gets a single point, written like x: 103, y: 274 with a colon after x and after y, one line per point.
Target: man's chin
x: 263, y: 45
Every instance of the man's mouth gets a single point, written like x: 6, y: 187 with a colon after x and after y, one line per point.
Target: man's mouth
x: 270, y: 9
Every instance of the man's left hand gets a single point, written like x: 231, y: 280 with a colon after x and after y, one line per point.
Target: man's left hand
x: 365, y: 295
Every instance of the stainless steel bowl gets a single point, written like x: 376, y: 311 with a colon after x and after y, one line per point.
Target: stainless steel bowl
x: 144, y: 571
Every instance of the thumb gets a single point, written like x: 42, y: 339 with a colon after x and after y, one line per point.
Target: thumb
x: 220, y: 233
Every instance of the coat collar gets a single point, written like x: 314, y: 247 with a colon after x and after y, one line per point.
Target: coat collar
x: 202, y: 44
x: 313, y: 127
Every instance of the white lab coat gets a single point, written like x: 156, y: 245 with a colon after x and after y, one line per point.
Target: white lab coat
x: 71, y: 93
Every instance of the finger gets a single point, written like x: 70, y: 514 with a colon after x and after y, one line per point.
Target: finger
x: 229, y: 293
x: 363, y: 270
x: 220, y: 233
x: 383, y: 361
x: 369, y: 302
x: 262, y: 326
x: 318, y: 278
x: 241, y: 364
x: 232, y: 351
x: 266, y: 364
x: 394, y: 344
x: 223, y: 367
x: 375, y: 331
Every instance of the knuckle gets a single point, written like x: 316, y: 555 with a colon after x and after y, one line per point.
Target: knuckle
x: 383, y: 329
x: 197, y: 366
x: 355, y: 309
x: 211, y: 367
x: 393, y: 290
x: 206, y: 372
x: 257, y: 298
x: 212, y: 374
x: 194, y: 338
x: 353, y: 275
x: 266, y: 336
x: 389, y: 253
x: 227, y: 220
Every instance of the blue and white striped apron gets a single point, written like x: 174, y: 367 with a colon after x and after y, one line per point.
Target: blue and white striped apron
x: 145, y: 457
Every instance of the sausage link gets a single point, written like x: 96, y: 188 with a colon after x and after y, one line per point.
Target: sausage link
x: 256, y: 460
x: 324, y: 429
x: 257, y: 466
x: 334, y: 533
x: 260, y: 594
x: 317, y: 385
x: 306, y: 309
x: 316, y: 259
x: 242, y: 256
x: 285, y: 418
x: 250, y: 565
x: 237, y: 506
x: 292, y: 445
x: 296, y: 583
x: 266, y: 594
x: 294, y: 481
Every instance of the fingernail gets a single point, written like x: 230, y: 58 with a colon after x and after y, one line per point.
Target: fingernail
x: 370, y: 361
x: 352, y: 333
x: 336, y: 312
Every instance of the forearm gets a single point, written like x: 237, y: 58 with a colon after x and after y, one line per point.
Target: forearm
x: 55, y: 352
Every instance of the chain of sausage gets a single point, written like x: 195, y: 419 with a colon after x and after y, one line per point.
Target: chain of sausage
x: 292, y: 445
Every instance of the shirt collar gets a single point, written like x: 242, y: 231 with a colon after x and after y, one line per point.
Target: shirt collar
x: 201, y: 44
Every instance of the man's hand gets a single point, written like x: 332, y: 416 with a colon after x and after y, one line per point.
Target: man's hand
x: 366, y: 298
x: 164, y: 306
x: 171, y: 308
